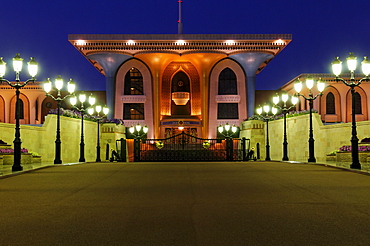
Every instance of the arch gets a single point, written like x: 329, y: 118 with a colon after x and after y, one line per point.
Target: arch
x: 361, y: 107
x: 335, y: 104
x: 25, y: 113
x: 330, y: 103
x: 180, y: 83
x: 227, y: 83
x: 189, y: 69
x: 2, y: 109
x: 133, y: 82
x: 145, y: 99
x: 214, y: 99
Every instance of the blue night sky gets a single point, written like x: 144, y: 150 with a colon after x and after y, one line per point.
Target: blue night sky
x: 321, y: 30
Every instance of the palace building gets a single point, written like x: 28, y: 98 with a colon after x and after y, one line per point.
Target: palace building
x: 192, y: 81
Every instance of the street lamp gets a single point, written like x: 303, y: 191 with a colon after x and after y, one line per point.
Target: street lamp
x: 98, y: 109
x: 227, y: 131
x: 82, y: 110
x: 285, y: 110
x: 310, y: 98
x: 337, y: 69
x: 266, y: 108
x: 138, y: 131
x: 47, y: 88
x: 32, y: 70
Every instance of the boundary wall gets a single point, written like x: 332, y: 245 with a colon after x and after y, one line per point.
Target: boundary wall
x: 41, y: 139
x: 327, y: 137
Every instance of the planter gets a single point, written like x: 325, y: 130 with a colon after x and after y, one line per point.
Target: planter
x: 36, y: 159
x: 8, y: 159
x: 331, y: 158
x: 347, y: 156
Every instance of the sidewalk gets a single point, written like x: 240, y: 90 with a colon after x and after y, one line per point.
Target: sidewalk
x: 6, y: 170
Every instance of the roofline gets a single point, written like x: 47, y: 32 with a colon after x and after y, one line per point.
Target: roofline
x: 179, y: 36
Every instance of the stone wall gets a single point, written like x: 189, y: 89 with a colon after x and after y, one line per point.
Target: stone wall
x: 327, y: 137
x: 41, y: 139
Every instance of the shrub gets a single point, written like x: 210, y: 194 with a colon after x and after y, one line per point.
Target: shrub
x: 77, y: 114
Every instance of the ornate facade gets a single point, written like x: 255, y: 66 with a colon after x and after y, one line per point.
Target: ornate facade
x: 180, y: 80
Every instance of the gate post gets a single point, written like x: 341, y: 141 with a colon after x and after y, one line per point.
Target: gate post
x: 123, y: 150
x: 229, y: 149
x: 137, y: 149
x: 244, y: 152
x: 107, y: 152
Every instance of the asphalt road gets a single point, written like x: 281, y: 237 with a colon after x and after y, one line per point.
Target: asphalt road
x: 250, y: 203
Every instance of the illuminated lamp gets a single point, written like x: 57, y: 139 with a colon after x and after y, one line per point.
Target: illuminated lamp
x: 180, y: 98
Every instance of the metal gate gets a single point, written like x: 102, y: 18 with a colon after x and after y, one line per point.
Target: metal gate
x: 186, y: 147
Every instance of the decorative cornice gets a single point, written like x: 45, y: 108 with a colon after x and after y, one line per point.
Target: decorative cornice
x: 133, y: 99
x: 227, y: 98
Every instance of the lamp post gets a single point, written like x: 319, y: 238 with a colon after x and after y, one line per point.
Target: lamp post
x: 47, y: 88
x: 285, y: 110
x: 98, y: 109
x: 228, y: 131
x: 82, y: 110
x: 352, y: 83
x: 138, y: 131
x: 32, y: 70
x: 266, y: 108
x: 310, y: 98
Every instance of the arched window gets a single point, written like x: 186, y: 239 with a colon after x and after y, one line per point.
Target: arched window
x: 227, y: 83
x: 330, y: 103
x: 358, y: 106
x: 133, y: 82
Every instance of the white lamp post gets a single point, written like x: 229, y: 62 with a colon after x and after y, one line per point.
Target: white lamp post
x: 82, y: 110
x: 266, y: 109
x: 98, y: 109
x: 352, y: 83
x: 47, y: 88
x: 285, y: 110
x: 17, y: 67
x: 310, y: 98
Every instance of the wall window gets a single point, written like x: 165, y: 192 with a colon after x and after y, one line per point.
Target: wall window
x: 330, y: 103
x: 133, y: 82
x: 227, y: 111
x: 133, y: 111
x: 227, y: 82
x: 358, y: 106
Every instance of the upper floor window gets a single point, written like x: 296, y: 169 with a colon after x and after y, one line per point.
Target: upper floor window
x: 133, y: 82
x: 330, y: 103
x: 227, y: 84
x: 133, y: 111
x: 227, y: 111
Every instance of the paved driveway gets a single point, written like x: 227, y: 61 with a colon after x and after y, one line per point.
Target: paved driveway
x: 250, y: 203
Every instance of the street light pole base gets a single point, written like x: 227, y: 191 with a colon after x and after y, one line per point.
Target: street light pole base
x: 356, y: 166
x: 17, y: 168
